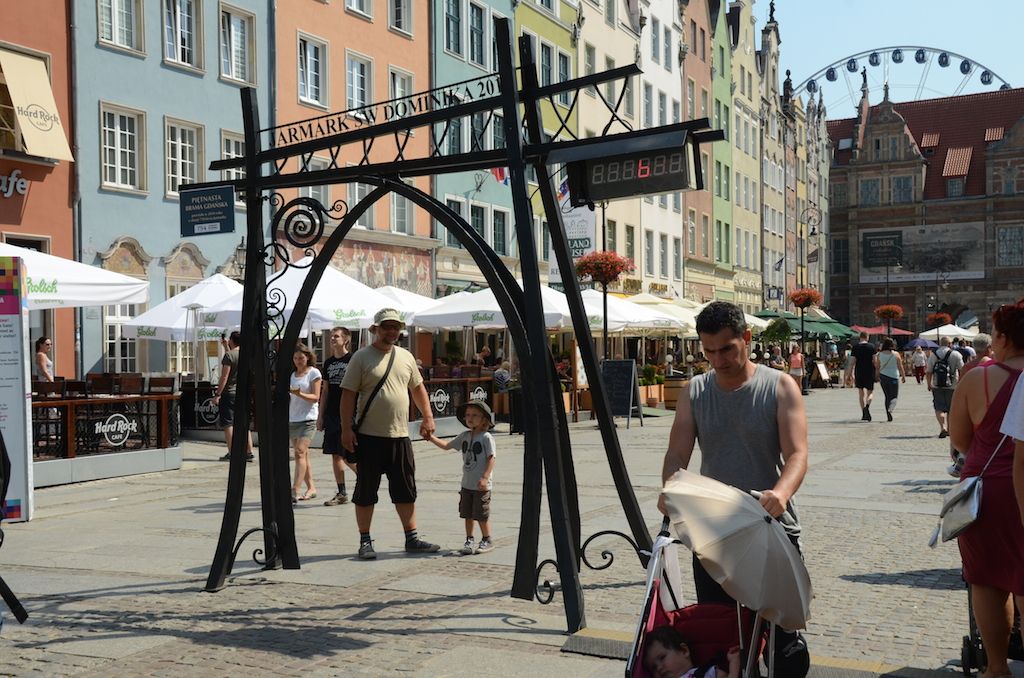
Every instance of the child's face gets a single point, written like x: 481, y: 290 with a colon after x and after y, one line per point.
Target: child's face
x: 667, y: 662
x: 475, y: 419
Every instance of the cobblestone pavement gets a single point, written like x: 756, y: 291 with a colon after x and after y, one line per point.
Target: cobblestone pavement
x: 112, y: 571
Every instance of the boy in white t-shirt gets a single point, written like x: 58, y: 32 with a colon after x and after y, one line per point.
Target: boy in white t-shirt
x: 477, y: 447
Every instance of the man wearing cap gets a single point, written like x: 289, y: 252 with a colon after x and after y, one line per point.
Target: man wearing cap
x: 382, y: 376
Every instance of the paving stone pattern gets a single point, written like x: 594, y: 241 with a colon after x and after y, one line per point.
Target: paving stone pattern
x: 112, y: 571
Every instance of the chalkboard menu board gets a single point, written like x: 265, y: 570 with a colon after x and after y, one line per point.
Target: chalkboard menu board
x: 622, y: 388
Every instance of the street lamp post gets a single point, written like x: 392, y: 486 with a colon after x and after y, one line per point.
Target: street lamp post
x: 889, y: 263
x: 810, y: 217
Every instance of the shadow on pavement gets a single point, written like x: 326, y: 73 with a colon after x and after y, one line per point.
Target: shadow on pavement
x: 938, y: 579
x: 925, y: 486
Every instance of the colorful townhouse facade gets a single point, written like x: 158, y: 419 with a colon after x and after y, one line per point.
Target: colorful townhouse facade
x: 156, y: 100
x: 37, y: 165
x: 726, y: 187
x: 773, y: 200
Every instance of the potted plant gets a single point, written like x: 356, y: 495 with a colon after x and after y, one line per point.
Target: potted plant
x: 604, y: 268
x: 939, y: 319
x: 889, y: 312
x: 805, y: 297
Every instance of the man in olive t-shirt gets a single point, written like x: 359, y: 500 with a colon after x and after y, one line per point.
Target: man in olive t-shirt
x: 381, y: 444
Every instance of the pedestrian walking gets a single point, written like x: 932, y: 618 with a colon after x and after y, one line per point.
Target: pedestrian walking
x: 890, y: 374
x: 796, y: 365
x: 862, y: 368
x: 383, y: 376
x: 992, y: 548
x: 919, y: 361
x: 478, y: 449
x: 982, y: 344
x: 304, y: 384
x: 943, y: 372
x: 329, y: 420
x: 225, y: 397
x: 768, y: 453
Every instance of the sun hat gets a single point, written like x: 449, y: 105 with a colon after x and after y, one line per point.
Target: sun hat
x: 384, y: 315
x: 460, y: 412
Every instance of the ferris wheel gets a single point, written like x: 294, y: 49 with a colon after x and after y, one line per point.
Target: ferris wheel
x: 911, y: 72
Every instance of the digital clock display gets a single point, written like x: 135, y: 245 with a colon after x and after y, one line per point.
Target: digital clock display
x: 621, y: 176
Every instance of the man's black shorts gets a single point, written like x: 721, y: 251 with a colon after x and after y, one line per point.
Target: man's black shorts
x: 384, y: 456
x: 864, y: 381
x: 226, y: 410
x: 332, y: 441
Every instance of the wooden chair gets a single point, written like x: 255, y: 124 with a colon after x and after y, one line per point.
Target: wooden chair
x: 161, y: 385
x: 100, y: 384
x: 76, y: 389
x: 440, y: 372
x: 470, y: 371
x: 42, y: 390
x: 131, y: 385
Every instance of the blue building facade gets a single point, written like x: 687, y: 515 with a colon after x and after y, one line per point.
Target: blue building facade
x: 156, y: 99
x: 462, y: 48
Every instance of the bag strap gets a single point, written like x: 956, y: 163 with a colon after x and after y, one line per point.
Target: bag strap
x: 375, y: 391
x: 985, y: 468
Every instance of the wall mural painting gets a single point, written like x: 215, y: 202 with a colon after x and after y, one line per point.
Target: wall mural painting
x: 378, y: 265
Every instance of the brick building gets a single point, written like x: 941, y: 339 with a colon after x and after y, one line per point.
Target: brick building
x: 929, y: 196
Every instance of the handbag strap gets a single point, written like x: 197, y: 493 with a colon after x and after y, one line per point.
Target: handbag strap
x: 375, y: 391
x: 985, y: 467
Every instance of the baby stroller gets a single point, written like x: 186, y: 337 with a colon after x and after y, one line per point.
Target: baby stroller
x: 746, y: 552
x: 972, y: 653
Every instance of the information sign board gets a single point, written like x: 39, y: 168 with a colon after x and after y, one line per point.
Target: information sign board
x: 207, y: 211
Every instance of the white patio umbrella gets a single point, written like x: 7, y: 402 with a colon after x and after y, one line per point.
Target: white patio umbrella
x: 741, y: 547
x: 339, y: 300
x: 55, y: 282
x: 410, y: 302
x: 952, y: 331
x: 687, y: 316
x: 479, y: 310
x: 631, y: 316
x: 753, y: 322
x: 181, y: 318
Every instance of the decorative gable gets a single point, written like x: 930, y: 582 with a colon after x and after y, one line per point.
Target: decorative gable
x: 186, y: 262
x: 126, y: 256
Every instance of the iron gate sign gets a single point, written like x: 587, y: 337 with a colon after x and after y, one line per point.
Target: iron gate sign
x: 207, y: 211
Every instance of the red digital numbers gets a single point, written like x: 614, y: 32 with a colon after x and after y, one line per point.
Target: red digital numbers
x: 643, y: 168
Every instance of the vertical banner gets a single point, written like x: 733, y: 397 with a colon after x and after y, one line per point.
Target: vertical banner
x: 580, y: 223
x: 15, y: 387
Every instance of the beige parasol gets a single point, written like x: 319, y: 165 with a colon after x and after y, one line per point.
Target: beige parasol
x: 741, y: 547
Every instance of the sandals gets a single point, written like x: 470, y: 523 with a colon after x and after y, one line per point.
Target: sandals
x: 308, y: 495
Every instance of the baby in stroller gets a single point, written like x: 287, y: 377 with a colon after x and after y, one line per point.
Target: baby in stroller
x: 667, y: 655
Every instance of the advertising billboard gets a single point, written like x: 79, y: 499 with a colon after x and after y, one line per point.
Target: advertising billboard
x: 922, y: 252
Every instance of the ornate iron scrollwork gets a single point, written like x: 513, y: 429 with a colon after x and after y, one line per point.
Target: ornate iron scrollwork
x: 545, y: 590
x: 257, y: 554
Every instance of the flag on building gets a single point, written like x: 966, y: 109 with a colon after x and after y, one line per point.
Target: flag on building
x: 812, y: 258
x: 779, y: 263
x: 563, y: 190
x: 501, y: 175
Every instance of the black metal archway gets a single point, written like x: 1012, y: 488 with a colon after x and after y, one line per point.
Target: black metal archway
x: 301, y: 222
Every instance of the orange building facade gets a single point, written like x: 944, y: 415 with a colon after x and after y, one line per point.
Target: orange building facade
x: 36, y: 168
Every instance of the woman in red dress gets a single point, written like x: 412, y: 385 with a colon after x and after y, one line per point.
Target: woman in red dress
x: 992, y: 549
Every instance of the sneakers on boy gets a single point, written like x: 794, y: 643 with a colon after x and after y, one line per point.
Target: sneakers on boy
x: 366, y: 551
x: 340, y: 498
x: 469, y: 548
x: 419, y: 546
x: 485, y: 545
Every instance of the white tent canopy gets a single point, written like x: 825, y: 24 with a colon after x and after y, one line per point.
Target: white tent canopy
x: 339, y: 300
x: 630, y: 316
x: 480, y: 310
x: 951, y: 331
x: 686, y: 316
x: 181, y: 318
x: 407, y: 301
x: 55, y: 282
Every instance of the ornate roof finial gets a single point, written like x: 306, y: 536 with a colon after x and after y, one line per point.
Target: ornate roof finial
x: 771, y: 12
x: 864, y: 78
x: 885, y: 91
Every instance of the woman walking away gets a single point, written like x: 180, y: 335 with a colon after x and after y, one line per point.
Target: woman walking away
x: 303, y: 411
x: 796, y: 365
x: 992, y: 548
x: 44, y: 366
x: 890, y: 374
x: 920, y: 362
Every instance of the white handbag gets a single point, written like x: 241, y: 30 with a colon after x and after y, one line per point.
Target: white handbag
x: 960, y: 506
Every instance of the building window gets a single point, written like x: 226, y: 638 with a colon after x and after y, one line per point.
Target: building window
x: 649, y: 252
x: 400, y: 15
x: 676, y: 116
x: 662, y: 109
x: 648, y: 105
x: 361, y: 6
x: 399, y: 84
x: 718, y: 178
x: 631, y: 243
x: 703, y: 102
x: 954, y: 188
x: 454, y: 136
x: 691, y: 110
x: 894, y: 148
x: 235, y: 49
x: 546, y: 64
x: 498, y: 132
x: 119, y: 23
x: 120, y: 352
x: 869, y: 192
x: 703, y: 50
x: 609, y: 87
x: 123, y: 149
x: 840, y: 255
x: 705, y: 236
x: 312, y: 64
x: 655, y: 40
x: 589, y: 65
x: 902, y: 189
x: 478, y: 220
x: 691, y: 232
x: 726, y: 191
x: 677, y: 202
x: 627, y: 96
x: 358, y: 82
x: 545, y: 237
x: 181, y: 25
x: 839, y: 195
x: 500, y: 220
x: 609, y: 235
x: 453, y: 26
x: 719, y: 240
x: 457, y: 207
x: 321, y: 193
x: 609, y: 12
x: 477, y: 132
x: 1010, y: 246
x: 477, y: 39
x: 564, y: 74
x: 184, y: 144
x: 663, y: 255
x: 180, y: 356
x: 677, y: 258
x: 546, y: 4
x: 667, y: 45
x: 233, y: 146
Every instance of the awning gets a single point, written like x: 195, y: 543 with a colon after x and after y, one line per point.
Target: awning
x: 29, y: 85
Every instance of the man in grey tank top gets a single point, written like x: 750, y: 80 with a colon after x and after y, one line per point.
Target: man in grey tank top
x: 752, y: 429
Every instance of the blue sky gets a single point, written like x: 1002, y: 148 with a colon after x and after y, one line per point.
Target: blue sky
x: 817, y: 33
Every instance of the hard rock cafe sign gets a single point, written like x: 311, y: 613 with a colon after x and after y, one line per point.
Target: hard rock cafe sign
x: 440, y: 399
x: 116, y: 429
x: 207, y: 411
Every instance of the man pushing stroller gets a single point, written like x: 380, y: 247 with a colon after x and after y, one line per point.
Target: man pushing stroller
x: 767, y: 454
